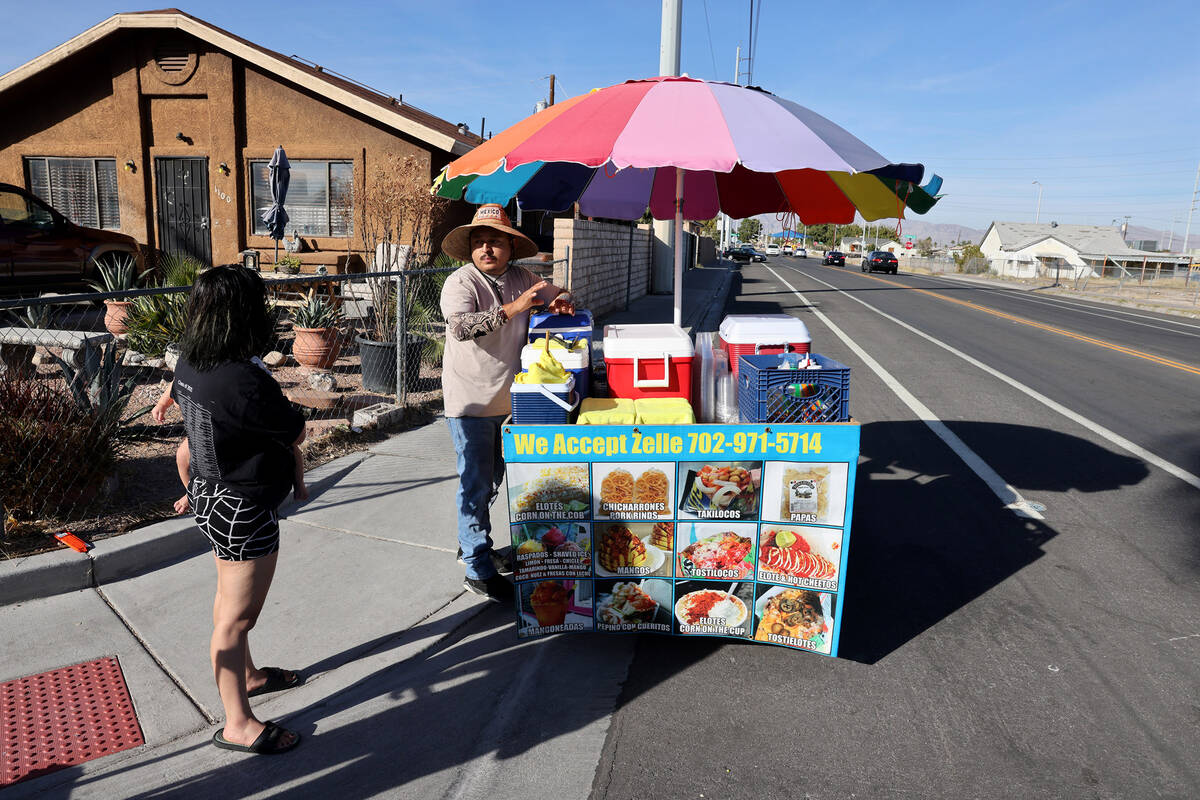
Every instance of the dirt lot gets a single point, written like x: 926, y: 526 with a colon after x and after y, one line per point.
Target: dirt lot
x: 145, y: 483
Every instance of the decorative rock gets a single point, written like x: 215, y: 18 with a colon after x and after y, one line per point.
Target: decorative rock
x: 40, y: 358
x: 154, y: 363
x: 321, y: 381
x: 171, y: 356
x: 132, y: 358
x: 274, y: 359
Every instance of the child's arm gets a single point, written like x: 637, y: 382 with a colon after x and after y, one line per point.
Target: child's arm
x: 159, y: 412
x: 301, y: 491
x: 183, y: 460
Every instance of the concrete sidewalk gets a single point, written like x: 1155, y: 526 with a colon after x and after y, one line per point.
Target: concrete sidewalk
x: 413, y: 687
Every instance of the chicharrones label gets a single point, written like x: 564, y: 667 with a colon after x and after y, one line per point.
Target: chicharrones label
x: 633, y: 510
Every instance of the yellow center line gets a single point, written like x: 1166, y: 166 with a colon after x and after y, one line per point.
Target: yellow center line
x: 1166, y: 362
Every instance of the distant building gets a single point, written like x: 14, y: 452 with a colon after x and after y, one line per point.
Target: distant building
x: 1026, y: 250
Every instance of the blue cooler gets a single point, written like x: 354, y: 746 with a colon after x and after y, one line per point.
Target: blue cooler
x: 578, y: 364
x: 571, y: 328
x: 544, y: 403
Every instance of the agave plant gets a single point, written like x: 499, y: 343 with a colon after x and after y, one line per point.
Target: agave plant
x: 316, y: 312
x: 99, y: 391
x: 117, y: 271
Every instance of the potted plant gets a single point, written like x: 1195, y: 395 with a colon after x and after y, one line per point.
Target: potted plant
x: 118, y: 273
x: 316, y: 324
x: 288, y: 265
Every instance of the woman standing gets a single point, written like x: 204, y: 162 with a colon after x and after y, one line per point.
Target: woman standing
x: 242, y: 448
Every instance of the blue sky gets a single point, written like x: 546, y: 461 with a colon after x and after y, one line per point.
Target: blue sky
x: 1099, y: 101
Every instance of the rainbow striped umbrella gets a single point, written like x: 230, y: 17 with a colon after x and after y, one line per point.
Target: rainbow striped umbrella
x: 686, y: 149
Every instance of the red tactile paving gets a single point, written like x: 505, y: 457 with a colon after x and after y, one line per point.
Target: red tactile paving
x: 64, y: 717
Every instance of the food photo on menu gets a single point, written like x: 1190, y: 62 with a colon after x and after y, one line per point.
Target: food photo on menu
x: 634, y: 491
x: 552, y: 550
x: 800, y: 555
x: 548, y: 492
x: 794, y: 617
x: 720, y: 490
x: 804, y: 492
x: 554, y: 606
x: 634, y: 549
x: 703, y: 608
x: 634, y: 605
x: 715, y: 550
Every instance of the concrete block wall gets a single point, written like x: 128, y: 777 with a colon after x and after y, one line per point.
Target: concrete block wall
x: 607, y: 265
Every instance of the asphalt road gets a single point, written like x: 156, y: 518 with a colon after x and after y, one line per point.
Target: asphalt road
x: 1047, y: 649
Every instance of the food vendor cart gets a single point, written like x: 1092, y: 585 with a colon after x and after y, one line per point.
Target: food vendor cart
x: 735, y: 530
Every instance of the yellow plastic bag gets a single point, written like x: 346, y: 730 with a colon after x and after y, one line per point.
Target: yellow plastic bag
x: 606, y: 411
x: 664, y: 411
x: 547, y: 369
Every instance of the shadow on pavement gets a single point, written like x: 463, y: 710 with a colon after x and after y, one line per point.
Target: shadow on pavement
x: 928, y: 537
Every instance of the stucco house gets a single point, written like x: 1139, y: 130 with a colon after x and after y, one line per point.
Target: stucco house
x: 160, y: 125
x: 1026, y: 250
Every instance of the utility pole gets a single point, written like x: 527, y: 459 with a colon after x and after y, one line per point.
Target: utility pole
x: 551, y: 88
x: 668, y: 261
x: 1037, y: 217
x: 1191, y: 208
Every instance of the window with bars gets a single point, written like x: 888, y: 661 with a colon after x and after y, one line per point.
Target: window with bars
x: 319, y: 201
x: 84, y: 190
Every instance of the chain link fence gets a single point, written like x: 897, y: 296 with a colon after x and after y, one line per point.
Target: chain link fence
x: 79, y: 449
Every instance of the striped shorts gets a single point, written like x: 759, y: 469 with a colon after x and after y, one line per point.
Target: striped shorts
x: 238, y: 529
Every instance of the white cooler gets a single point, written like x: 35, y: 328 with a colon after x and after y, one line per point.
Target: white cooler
x: 756, y: 334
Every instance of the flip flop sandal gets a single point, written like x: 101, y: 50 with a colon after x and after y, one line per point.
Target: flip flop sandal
x: 268, y: 742
x: 276, y: 681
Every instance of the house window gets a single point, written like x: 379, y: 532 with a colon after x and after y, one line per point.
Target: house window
x: 319, y: 201
x: 84, y: 190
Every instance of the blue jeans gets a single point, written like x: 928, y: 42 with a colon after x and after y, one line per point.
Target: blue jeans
x: 480, y: 473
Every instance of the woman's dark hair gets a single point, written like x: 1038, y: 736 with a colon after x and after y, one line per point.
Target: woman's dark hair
x: 228, y: 319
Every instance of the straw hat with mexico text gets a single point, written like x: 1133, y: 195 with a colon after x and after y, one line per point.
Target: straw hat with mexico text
x: 457, y: 243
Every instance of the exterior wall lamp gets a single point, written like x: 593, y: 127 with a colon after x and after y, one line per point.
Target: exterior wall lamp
x: 223, y: 168
x: 181, y: 137
x: 250, y: 259
x: 130, y: 166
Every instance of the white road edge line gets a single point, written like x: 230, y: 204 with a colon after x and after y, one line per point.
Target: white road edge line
x: 1111, y: 436
x: 1009, y: 496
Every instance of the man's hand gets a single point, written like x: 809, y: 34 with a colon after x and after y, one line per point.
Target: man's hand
x: 563, y: 304
x: 526, y: 300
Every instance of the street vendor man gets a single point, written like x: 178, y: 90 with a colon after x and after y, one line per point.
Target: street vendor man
x: 486, y: 305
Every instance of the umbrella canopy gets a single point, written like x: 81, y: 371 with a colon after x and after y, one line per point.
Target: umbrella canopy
x: 280, y: 175
x: 741, y: 150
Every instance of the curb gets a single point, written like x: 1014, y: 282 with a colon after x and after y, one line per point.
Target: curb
x: 134, y: 553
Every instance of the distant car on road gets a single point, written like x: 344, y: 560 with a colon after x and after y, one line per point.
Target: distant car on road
x: 746, y: 253
x: 834, y: 257
x: 787, y: 250
x: 800, y: 253
x: 881, y: 261
x: 41, y: 250
x: 772, y: 249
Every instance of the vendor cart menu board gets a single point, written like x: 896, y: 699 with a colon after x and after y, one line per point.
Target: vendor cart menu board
x: 738, y: 531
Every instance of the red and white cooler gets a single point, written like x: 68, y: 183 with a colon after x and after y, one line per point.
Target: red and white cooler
x: 648, y: 361
x: 757, y: 334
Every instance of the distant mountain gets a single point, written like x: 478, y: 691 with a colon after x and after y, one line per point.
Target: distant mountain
x: 940, y: 232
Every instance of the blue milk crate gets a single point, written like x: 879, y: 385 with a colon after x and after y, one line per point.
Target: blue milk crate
x: 544, y: 403
x: 573, y: 327
x: 764, y: 394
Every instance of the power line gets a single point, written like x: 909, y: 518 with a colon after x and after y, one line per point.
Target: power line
x: 1076, y: 156
x: 711, y: 53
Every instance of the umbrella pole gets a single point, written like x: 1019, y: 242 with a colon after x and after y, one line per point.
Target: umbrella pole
x: 678, y: 247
